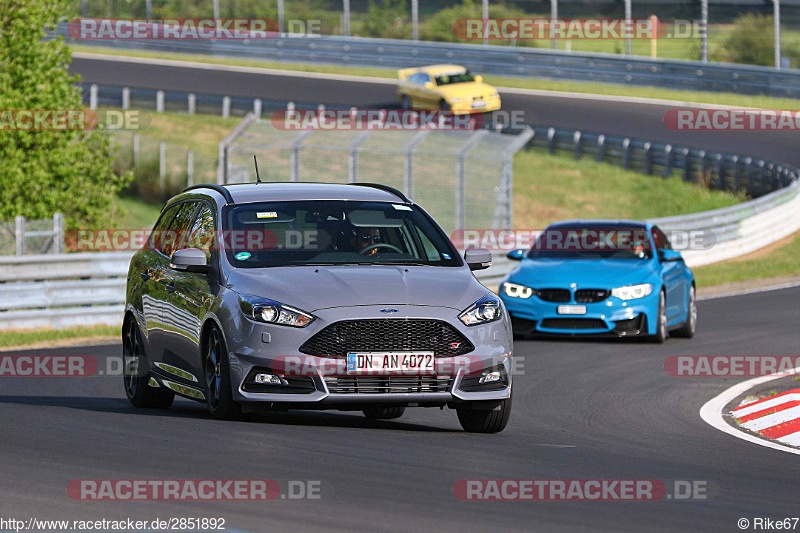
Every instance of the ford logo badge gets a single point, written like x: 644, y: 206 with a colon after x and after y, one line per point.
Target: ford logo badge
x: 388, y: 310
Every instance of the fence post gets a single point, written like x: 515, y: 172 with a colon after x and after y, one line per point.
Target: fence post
x: 162, y: 165
x: 294, y: 161
x: 135, y: 150
x: 461, y: 174
x: 648, y: 158
x: 191, y: 103
x: 415, y: 21
x: 735, y: 161
x: 751, y: 175
x: 667, y: 160
x: 346, y: 18
x: 601, y: 147
x: 189, y: 168
x: 257, y: 107
x: 551, y: 140
x: 687, y: 165
x: 126, y: 97
x: 626, y: 159
x: 93, y: 96
x: 576, y: 140
x: 226, y: 106
x: 19, y: 234
x: 58, y: 233
x: 721, y: 171
x: 408, y: 162
x: 352, y: 159
x: 703, y: 166
x: 159, y: 101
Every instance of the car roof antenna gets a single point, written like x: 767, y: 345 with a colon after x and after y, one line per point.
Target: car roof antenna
x: 258, y: 178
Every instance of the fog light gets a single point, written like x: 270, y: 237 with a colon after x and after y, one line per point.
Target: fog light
x: 491, y: 377
x: 268, y: 379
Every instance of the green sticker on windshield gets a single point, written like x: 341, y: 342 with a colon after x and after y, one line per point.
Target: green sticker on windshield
x: 243, y: 256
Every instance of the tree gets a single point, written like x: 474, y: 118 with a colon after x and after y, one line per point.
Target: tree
x: 43, y: 172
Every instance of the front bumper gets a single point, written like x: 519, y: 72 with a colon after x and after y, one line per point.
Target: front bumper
x: 469, y: 105
x: 323, y: 381
x: 611, y: 317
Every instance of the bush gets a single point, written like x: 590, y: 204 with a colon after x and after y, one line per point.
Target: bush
x: 750, y: 42
x: 48, y: 171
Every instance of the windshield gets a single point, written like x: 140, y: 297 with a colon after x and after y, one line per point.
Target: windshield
x: 592, y: 242
x: 459, y: 77
x: 336, y: 232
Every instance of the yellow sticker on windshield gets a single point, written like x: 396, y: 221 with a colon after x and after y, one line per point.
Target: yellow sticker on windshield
x: 267, y: 214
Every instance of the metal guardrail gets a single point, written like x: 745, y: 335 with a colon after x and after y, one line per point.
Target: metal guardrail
x: 490, y: 59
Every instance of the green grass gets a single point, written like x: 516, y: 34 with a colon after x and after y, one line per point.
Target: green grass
x: 129, y: 212
x: 499, y: 81
x: 781, y: 261
x: 34, y: 336
x: 556, y: 187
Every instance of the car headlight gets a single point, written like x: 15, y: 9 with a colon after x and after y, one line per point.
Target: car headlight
x: 517, y: 291
x: 632, y: 292
x: 271, y: 312
x: 485, y: 310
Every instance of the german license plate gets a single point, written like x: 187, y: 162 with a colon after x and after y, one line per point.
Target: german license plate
x: 571, y: 309
x: 390, y: 363
x: 478, y: 104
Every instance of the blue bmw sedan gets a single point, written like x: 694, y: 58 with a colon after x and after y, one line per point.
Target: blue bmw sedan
x: 601, y: 278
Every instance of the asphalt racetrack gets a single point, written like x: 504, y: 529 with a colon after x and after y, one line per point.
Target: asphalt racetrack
x: 582, y: 410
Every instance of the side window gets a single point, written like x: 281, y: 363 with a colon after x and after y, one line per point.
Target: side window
x: 430, y: 249
x: 174, y: 238
x: 420, y: 77
x: 156, y: 237
x: 202, y: 233
x: 660, y: 240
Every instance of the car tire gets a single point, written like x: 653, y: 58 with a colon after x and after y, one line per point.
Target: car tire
x: 135, y: 374
x: 690, y: 326
x: 217, y: 372
x: 384, y: 412
x: 482, y: 421
x: 661, y: 321
x: 405, y: 102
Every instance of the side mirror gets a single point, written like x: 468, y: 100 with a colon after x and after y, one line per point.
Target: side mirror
x: 189, y: 260
x: 430, y: 85
x: 517, y: 254
x: 666, y: 256
x: 478, y: 258
x: 478, y: 79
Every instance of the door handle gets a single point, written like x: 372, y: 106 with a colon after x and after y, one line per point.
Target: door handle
x: 170, y: 287
x: 145, y: 276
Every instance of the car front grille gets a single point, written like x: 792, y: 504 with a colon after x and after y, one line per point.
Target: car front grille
x: 388, y: 335
x: 388, y: 384
x: 554, y: 295
x: 573, y: 323
x: 590, y: 296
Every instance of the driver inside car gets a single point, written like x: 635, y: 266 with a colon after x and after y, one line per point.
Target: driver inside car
x: 364, y: 238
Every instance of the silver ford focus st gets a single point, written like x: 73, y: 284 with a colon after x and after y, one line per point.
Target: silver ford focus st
x: 313, y: 296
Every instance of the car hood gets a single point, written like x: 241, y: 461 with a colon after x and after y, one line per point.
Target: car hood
x: 312, y: 288
x: 460, y: 90
x: 585, y: 273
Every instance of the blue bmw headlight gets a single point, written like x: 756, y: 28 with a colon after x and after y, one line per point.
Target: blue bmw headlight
x: 517, y: 291
x: 485, y: 310
x: 632, y: 292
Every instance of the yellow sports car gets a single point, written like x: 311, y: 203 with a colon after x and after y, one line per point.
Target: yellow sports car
x: 447, y: 87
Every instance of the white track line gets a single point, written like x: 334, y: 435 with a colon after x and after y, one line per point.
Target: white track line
x: 711, y: 412
x: 756, y: 290
x: 388, y: 81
